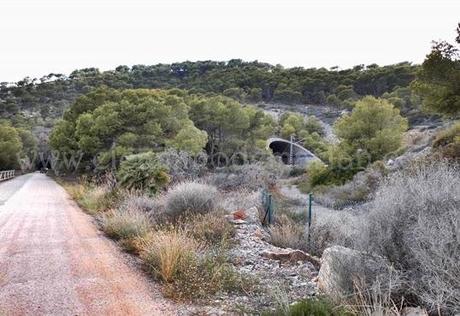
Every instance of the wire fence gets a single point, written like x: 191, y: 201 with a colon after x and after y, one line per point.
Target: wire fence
x: 273, y: 206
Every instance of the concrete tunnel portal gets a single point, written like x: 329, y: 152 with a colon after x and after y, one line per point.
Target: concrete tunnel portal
x: 291, y: 153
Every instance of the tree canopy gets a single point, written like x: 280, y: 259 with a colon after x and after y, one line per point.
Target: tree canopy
x: 374, y: 126
x: 111, y: 123
x: 438, y: 80
x: 247, y: 82
x: 10, y: 147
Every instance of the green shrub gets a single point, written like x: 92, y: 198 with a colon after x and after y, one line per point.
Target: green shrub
x: 357, y: 190
x: 143, y: 172
x: 374, y: 126
x: 190, y: 198
x: 310, y: 307
x: 318, y: 173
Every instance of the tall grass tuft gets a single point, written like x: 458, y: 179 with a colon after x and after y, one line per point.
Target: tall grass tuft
x: 125, y: 224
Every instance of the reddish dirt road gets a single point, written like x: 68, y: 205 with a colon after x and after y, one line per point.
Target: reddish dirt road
x: 54, y: 261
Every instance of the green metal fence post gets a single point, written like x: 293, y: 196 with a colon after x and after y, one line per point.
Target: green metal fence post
x: 310, y: 200
x: 270, y: 209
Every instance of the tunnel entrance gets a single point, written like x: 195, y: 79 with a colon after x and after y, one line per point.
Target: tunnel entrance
x: 290, y: 153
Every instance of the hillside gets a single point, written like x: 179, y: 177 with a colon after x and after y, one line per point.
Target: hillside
x: 251, y: 82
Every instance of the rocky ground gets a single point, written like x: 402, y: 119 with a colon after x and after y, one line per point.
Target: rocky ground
x: 279, y: 274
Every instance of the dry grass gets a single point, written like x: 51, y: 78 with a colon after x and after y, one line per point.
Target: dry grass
x: 75, y: 190
x: 211, y: 228
x: 187, y: 267
x: 447, y: 142
x: 165, y: 252
x: 92, y: 198
x: 374, y: 300
x: 288, y: 234
x: 125, y: 224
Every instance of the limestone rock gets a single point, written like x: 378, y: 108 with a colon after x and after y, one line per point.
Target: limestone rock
x: 252, y: 215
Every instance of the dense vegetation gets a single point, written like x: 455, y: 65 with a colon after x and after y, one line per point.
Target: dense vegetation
x: 438, y: 81
x: 106, y: 125
x: 112, y: 124
x: 17, y: 146
x: 250, y: 82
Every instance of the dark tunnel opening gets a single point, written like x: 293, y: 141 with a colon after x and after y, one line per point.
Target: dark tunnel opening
x: 281, y: 149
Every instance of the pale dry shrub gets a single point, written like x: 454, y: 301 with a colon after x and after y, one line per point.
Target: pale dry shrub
x: 125, y: 224
x: 330, y: 228
x: 414, y: 221
x: 132, y: 200
x: 182, y: 165
x: 250, y: 176
x: 377, y: 298
x: 238, y: 200
x: 191, y: 198
x: 286, y: 233
x: 280, y: 296
x: 164, y: 252
x: 358, y: 190
x: 363, y: 280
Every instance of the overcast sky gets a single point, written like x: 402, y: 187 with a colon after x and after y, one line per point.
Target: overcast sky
x: 43, y: 36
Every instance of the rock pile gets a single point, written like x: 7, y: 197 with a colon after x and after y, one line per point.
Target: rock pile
x: 292, y: 272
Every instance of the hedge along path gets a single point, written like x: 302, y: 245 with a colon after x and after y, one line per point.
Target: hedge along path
x: 53, y: 260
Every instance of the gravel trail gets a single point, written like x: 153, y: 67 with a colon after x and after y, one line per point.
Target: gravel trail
x: 54, y: 261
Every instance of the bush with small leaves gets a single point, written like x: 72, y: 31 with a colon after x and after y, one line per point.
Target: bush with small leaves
x: 183, y: 165
x: 138, y: 201
x: 190, y: 198
x: 143, y: 172
x: 312, y: 306
x: 414, y: 221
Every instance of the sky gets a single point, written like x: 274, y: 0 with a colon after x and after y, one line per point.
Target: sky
x: 39, y: 37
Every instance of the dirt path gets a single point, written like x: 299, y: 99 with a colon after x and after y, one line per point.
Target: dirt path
x: 54, y: 261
